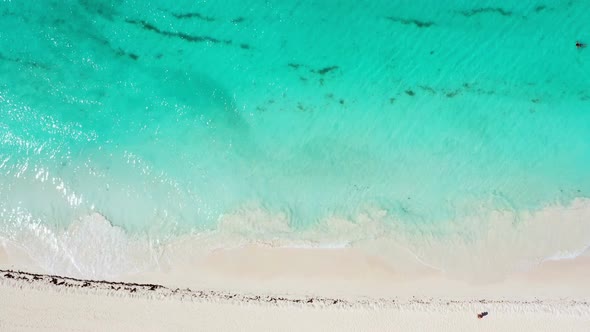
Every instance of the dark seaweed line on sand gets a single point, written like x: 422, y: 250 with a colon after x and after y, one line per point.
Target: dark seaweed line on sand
x: 156, y: 290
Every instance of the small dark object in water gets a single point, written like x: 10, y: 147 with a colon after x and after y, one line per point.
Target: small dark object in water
x: 326, y: 70
x: 580, y: 45
x: 482, y: 315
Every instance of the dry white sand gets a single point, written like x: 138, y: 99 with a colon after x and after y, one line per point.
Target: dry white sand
x: 273, y: 289
x: 49, y: 310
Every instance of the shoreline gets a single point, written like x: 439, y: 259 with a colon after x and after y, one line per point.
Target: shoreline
x: 48, y: 282
x: 344, y: 273
x: 330, y: 274
x: 285, y: 289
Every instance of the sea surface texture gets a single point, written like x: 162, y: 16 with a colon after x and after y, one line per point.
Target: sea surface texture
x: 433, y: 124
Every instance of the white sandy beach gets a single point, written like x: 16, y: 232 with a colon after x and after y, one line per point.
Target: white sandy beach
x: 274, y: 289
x: 294, y: 166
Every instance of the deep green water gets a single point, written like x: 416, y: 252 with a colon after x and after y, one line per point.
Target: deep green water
x: 167, y: 115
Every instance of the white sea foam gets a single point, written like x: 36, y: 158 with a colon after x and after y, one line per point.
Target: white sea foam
x: 311, y: 245
x: 564, y: 255
x: 484, y: 246
x: 90, y: 247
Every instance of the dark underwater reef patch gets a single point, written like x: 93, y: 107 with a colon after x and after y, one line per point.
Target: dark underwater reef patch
x: 237, y: 20
x: 132, y: 56
x: 452, y: 94
x: 540, y: 8
x: 202, y: 17
x: 330, y: 96
x: 427, y: 88
x: 404, y: 21
x: 193, y: 15
x: 27, y: 63
x: 325, y: 70
x: 486, y: 10
x: 449, y: 92
x: 321, y: 72
x: 190, y: 38
x: 446, y: 92
x: 181, y: 35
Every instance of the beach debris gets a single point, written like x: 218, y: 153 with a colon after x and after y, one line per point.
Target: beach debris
x: 21, y: 279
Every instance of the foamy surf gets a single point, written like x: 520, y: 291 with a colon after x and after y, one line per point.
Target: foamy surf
x: 92, y: 247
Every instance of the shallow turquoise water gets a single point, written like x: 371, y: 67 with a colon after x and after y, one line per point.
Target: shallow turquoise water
x: 167, y: 116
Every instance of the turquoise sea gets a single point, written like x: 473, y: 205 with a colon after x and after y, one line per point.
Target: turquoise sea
x: 165, y: 117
